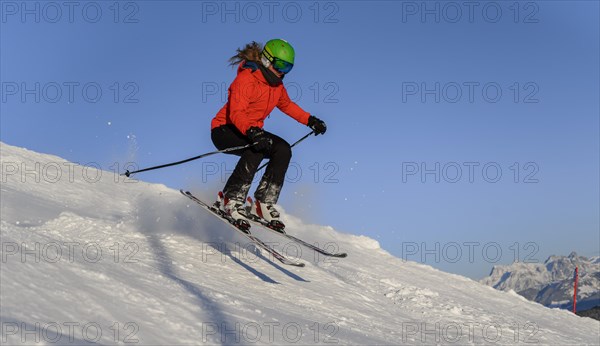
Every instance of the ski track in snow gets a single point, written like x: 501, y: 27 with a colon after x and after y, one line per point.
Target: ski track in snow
x: 113, y: 262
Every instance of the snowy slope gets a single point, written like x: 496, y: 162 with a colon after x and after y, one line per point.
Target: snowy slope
x: 551, y: 283
x: 115, y: 262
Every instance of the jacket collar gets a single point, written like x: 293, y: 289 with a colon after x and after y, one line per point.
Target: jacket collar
x: 265, y: 75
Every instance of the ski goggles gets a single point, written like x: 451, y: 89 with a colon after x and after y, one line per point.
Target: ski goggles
x: 279, y: 65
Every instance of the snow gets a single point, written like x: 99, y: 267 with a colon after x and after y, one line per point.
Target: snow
x: 92, y: 257
x: 551, y: 283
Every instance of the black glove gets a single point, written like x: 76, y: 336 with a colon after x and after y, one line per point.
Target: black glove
x: 317, y: 125
x: 261, y: 141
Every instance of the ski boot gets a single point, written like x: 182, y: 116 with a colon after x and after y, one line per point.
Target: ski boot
x: 266, y: 214
x: 234, y: 211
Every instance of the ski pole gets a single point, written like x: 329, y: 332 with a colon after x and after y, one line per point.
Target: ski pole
x: 291, y: 146
x: 128, y: 173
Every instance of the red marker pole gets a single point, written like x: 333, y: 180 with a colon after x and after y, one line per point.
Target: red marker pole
x: 575, y: 290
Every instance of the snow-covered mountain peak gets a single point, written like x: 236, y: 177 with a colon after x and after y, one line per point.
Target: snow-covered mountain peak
x: 551, y: 283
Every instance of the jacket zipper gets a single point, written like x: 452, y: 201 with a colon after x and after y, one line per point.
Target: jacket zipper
x: 269, y: 102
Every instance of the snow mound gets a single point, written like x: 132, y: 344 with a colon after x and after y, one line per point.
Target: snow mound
x: 92, y: 257
x: 364, y: 242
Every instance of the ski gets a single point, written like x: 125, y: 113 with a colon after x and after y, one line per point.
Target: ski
x: 262, y: 222
x: 245, y: 231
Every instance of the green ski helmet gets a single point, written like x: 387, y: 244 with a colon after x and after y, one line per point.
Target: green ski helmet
x: 280, y: 54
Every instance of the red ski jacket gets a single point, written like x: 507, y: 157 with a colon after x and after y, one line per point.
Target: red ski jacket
x: 251, y: 99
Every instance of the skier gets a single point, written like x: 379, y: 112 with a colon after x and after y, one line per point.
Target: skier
x: 257, y: 89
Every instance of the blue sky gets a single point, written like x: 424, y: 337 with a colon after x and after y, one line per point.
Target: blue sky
x: 469, y: 133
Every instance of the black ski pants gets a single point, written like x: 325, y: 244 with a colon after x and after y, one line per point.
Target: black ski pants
x: 238, y: 185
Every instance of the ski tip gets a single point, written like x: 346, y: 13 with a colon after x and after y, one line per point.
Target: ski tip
x: 341, y: 255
